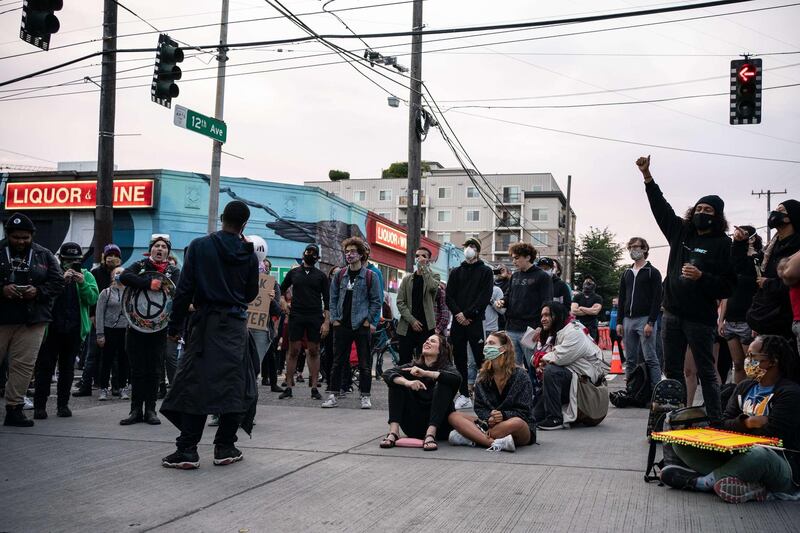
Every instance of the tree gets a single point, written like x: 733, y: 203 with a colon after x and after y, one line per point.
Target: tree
x: 336, y: 175
x: 400, y: 169
x: 599, y: 255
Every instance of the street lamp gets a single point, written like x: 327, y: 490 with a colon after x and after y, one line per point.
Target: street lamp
x: 393, y: 101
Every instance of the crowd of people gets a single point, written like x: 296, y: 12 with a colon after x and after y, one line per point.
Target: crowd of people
x: 515, y: 345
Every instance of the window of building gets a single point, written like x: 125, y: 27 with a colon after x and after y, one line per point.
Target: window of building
x: 539, y: 215
x: 359, y: 196
x: 445, y: 193
x: 472, y: 192
x: 511, y: 194
x: 540, y: 238
x: 444, y: 215
x: 473, y: 215
x: 444, y: 237
x: 384, y: 214
x: 385, y: 195
x: 471, y: 235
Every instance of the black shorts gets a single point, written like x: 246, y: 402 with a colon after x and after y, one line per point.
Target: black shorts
x: 307, y: 327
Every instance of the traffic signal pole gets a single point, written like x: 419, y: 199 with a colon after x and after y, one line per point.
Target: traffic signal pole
x: 414, y: 220
x: 104, y: 199
x: 216, y: 152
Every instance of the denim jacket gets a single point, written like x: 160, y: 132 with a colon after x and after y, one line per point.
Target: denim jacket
x: 367, y: 301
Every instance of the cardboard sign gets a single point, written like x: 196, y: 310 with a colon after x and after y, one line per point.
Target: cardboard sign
x: 258, y: 310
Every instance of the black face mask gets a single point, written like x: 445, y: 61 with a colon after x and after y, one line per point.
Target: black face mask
x: 775, y: 219
x: 703, y: 221
x: 310, y: 259
x: 588, y: 288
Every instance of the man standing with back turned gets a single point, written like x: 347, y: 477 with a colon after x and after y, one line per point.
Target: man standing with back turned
x: 215, y: 376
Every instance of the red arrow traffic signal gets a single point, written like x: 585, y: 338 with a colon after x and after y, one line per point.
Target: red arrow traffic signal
x: 746, y: 72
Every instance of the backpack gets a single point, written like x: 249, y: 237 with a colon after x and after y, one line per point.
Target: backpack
x: 637, y: 390
x: 592, y: 401
x: 668, y: 395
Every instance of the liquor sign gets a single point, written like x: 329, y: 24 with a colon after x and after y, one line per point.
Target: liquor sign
x: 391, y: 238
x: 128, y: 194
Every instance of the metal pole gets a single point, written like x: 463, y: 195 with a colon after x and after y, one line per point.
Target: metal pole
x: 414, y: 222
x: 567, y: 266
x: 216, y: 153
x: 104, y: 197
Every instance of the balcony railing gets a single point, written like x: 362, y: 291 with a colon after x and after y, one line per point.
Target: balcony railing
x: 509, y: 198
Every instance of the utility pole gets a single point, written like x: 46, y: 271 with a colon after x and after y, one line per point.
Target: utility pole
x: 768, y: 193
x: 104, y: 197
x: 414, y: 223
x: 567, y: 256
x: 216, y: 152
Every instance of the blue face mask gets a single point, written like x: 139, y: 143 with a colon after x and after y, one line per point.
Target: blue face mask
x: 491, y: 352
x: 116, y: 278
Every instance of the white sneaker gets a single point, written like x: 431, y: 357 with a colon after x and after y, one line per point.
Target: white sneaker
x: 457, y: 439
x: 506, y: 444
x: 103, y: 396
x: 463, y: 402
x: 330, y: 402
x: 28, y: 405
x: 366, y: 403
x: 125, y: 393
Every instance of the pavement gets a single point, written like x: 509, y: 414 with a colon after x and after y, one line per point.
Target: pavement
x: 310, y: 469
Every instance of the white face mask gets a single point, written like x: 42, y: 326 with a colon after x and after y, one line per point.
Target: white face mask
x: 470, y: 253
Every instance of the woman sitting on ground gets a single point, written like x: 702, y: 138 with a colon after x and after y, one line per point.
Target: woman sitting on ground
x: 503, y: 402
x: 573, y: 355
x: 421, y: 395
x: 765, y: 404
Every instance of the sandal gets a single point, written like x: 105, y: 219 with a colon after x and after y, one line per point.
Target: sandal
x: 388, y: 442
x: 430, y: 443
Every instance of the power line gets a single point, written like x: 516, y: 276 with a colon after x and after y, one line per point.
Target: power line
x: 598, y: 137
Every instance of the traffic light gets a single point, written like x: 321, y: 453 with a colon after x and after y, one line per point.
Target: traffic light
x: 39, y: 21
x: 164, y: 89
x: 746, y: 91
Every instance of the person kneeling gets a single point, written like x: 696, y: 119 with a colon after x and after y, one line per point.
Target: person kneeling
x: 503, y: 402
x: 765, y: 404
x: 574, y: 355
x: 421, y: 395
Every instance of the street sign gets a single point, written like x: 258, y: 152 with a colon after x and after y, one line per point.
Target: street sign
x: 192, y: 120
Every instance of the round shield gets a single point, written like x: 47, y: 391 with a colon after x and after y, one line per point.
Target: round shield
x: 148, y: 311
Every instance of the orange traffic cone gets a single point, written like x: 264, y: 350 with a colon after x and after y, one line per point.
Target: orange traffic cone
x: 616, y: 362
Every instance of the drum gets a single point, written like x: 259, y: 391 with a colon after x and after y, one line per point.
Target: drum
x: 148, y: 311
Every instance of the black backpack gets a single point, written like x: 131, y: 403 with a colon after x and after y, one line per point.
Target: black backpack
x: 637, y: 391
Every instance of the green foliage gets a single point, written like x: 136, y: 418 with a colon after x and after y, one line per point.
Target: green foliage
x: 336, y: 175
x: 599, y: 255
x: 400, y: 169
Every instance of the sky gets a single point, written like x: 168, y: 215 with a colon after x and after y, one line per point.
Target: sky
x: 295, y: 124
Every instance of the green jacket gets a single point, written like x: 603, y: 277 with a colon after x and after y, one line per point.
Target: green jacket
x: 87, y: 294
x: 429, y: 288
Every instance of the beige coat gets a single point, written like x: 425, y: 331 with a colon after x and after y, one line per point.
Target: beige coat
x: 430, y: 286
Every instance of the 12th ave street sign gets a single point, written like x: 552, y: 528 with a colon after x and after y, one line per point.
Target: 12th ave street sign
x: 192, y: 120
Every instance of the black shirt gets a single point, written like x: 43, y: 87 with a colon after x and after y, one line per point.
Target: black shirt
x: 310, y: 290
x: 347, y: 306
x: 590, y: 321
x: 417, y: 308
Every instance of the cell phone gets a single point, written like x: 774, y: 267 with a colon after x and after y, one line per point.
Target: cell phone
x: 22, y: 287
x: 75, y: 266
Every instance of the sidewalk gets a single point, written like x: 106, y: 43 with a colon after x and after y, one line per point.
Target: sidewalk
x: 310, y: 469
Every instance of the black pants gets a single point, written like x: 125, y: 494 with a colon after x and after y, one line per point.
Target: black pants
x: 556, y: 383
x: 612, y: 334
x: 344, y: 337
x: 326, y: 358
x: 58, y: 348
x: 414, y: 416
x: 145, y: 354
x: 269, y: 367
x: 114, y: 355
x: 192, y: 426
x: 170, y: 362
x: 680, y: 333
x: 460, y: 336
x: 411, y: 344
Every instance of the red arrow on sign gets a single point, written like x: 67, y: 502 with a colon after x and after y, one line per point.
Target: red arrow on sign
x: 746, y: 72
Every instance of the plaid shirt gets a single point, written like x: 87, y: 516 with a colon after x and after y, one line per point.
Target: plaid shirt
x: 442, y: 312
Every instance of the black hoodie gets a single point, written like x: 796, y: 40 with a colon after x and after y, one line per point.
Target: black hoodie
x: 693, y: 300
x: 469, y: 289
x: 220, y: 270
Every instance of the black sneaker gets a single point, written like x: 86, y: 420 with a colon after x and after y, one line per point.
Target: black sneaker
x: 225, y: 455
x: 115, y: 392
x: 83, y: 391
x: 15, y: 417
x: 287, y: 393
x: 315, y: 394
x: 299, y: 378
x: 679, y: 477
x: 184, y: 460
x: 64, y: 412
x: 275, y: 388
x: 549, y: 424
x: 39, y: 414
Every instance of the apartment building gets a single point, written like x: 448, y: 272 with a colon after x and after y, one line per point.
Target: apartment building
x: 507, y: 208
